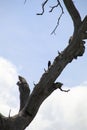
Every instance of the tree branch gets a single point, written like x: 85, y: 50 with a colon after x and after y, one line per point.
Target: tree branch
x: 24, y: 91
x: 62, y: 12
x: 52, y: 8
x: 73, y: 13
x: 43, y: 5
x: 46, y: 85
x: 72, y: 51
x: 58, y: 4
x: 30, y: 103
x: 59, y: 85
x: 84, y: 36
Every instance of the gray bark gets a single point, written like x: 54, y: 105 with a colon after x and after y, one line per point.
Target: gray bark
x: 30, y: 103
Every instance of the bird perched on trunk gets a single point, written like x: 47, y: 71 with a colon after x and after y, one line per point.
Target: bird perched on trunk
x: 49, y: 64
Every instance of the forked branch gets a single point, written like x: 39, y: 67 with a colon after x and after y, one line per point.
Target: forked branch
x: 52, y: 8
x: 30, y: 103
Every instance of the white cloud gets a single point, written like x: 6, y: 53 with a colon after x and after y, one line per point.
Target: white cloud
x: 60, y: 111
x: 8, y: 89
x: 63, y: 111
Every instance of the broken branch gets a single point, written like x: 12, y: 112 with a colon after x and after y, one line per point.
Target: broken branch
x: 24, y: 91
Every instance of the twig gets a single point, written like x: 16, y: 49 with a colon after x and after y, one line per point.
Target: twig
x: 52, y: 7
x: 43, y: 5
x: 64, y: 90
x: 58, y: 18
x: 59, y: 86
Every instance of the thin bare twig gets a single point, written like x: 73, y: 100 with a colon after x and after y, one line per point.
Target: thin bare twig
x: 43, y: 5
x: 53, y: 32
x: 64, y: 90
x: 59, y: 86
x: 52, y: 7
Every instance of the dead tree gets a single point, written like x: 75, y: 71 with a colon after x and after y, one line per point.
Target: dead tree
x: 31, y: 102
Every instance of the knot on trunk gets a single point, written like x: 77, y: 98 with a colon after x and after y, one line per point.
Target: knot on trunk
x: 80, y: 49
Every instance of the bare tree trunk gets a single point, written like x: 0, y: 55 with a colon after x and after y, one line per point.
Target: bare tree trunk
x: 30, y: 103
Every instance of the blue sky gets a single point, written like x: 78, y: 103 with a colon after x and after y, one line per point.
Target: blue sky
x: 26, y: 43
